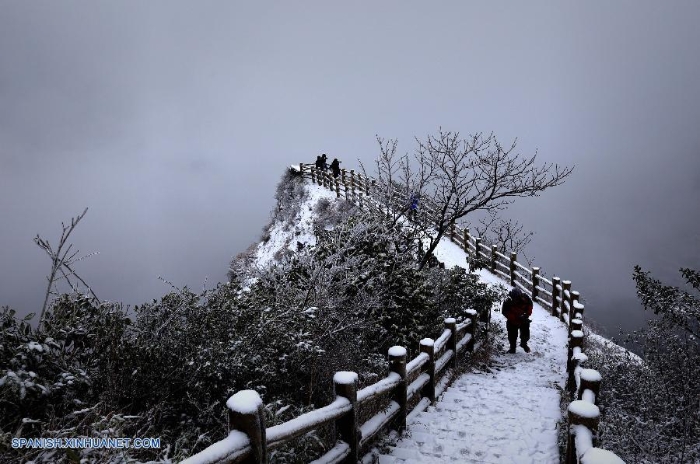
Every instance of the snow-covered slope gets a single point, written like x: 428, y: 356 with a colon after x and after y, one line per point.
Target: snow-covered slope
x: 284, y: 234
x: 509, y: 413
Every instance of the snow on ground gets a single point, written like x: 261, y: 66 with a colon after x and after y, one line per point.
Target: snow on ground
x: 508, y: 414
x: 286, y: 234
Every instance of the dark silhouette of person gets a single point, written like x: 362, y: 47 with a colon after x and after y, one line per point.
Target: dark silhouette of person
x: 324, y: 162
x: 319, y: 162
x: 517, y: 309
x: 413, y: 206
x: 335, y: 167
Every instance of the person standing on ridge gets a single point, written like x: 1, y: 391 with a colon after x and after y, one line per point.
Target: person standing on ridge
x: 319, y: 162
x: 517, y: 309
x: 324, y: 162
x: 335, y: 167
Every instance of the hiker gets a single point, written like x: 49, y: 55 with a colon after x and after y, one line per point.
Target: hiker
x: 335, y: 167
x: 319, y: 162
x: 324, y: 162
x: 517, y: 309
x: 413, y: 206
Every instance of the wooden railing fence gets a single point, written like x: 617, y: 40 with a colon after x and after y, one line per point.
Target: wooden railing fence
x: 425, y: 375
x: 418, y: 381
x: 555, y: 294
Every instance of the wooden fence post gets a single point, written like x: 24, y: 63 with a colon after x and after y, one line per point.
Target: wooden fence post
x: 471, y: 330
x: 397, y: 363
x: 494, y: 249
x: 337, y: 187
x: 344, y: 182
x: 513, y: 258
x: 451, y: 325
x: 576, y: 324
x: 477, y: 247
x: 577, y: 313
x: 246, y: 414
x: 466, y: 241
x: 346, y: 426
x: 575, y: 340
x: 452, y: 231
x: 535, y: 282
x: 301, y: 169
x: 352, y: 183
x: 580, y: 413
x: 590, y: 379
x: 313, y: 174
x: 555, y: 293
x: 427, y: 345
x: 566, y: 298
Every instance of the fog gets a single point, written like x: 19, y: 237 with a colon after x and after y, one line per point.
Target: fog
x: 173, y: 122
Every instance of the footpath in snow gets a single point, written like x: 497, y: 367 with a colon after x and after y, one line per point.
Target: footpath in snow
x: 506, y: 414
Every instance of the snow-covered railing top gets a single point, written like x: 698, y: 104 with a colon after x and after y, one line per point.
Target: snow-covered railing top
x: 410, y: 387
x: 555, y: 294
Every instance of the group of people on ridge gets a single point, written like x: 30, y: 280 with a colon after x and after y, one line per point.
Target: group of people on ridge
x: 322, y: 164
x: 517, y: 308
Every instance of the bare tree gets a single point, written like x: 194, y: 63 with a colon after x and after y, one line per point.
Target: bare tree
x: 455, y: 177
x: 62, y: 262
x: 506, y: 234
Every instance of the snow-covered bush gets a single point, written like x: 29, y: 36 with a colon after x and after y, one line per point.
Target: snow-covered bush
x: 166, y: 368
x: 57, y: 381
x: 651, y: 409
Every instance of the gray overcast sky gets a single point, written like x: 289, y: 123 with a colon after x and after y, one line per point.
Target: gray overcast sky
x: 173, y: 122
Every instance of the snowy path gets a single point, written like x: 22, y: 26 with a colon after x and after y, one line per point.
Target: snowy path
x: 507, y: 415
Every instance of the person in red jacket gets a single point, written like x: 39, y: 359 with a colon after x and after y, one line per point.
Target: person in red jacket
x: 517, y: 309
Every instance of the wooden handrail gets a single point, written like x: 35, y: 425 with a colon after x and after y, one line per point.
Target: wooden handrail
x: 252, y: 440
x: 248, y: 438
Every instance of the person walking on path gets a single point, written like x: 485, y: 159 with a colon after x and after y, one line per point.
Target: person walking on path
x: 517, y: 309
x: 319, y: 162
x: 324, y: 162
x: 335, y: 167
x: 413, y: 206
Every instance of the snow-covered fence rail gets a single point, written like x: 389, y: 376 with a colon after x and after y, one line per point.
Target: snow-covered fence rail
x: 555, y: 294
x: 410, y: 387
x: 349, y: 184
x: 583, y: 416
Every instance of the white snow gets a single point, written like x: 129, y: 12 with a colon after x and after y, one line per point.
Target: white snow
x: 345, y: 377
x: 302, y: 230
x: 308, y: 421
x: 600, y: 456
x: 593, y: 337
x: 507, y: 415
x: 35, y: 346
x: 236, y: 444
x: 378, y: 388
x: 244, y: 402
x: 442, y: 339
x: 584, y: 409
x: 591, y: 375
x: 397, y: 351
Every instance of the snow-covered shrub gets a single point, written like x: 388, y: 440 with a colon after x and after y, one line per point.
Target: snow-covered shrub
x: 651, y: 409
x: 56, y: 381
x: 289, y: 195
